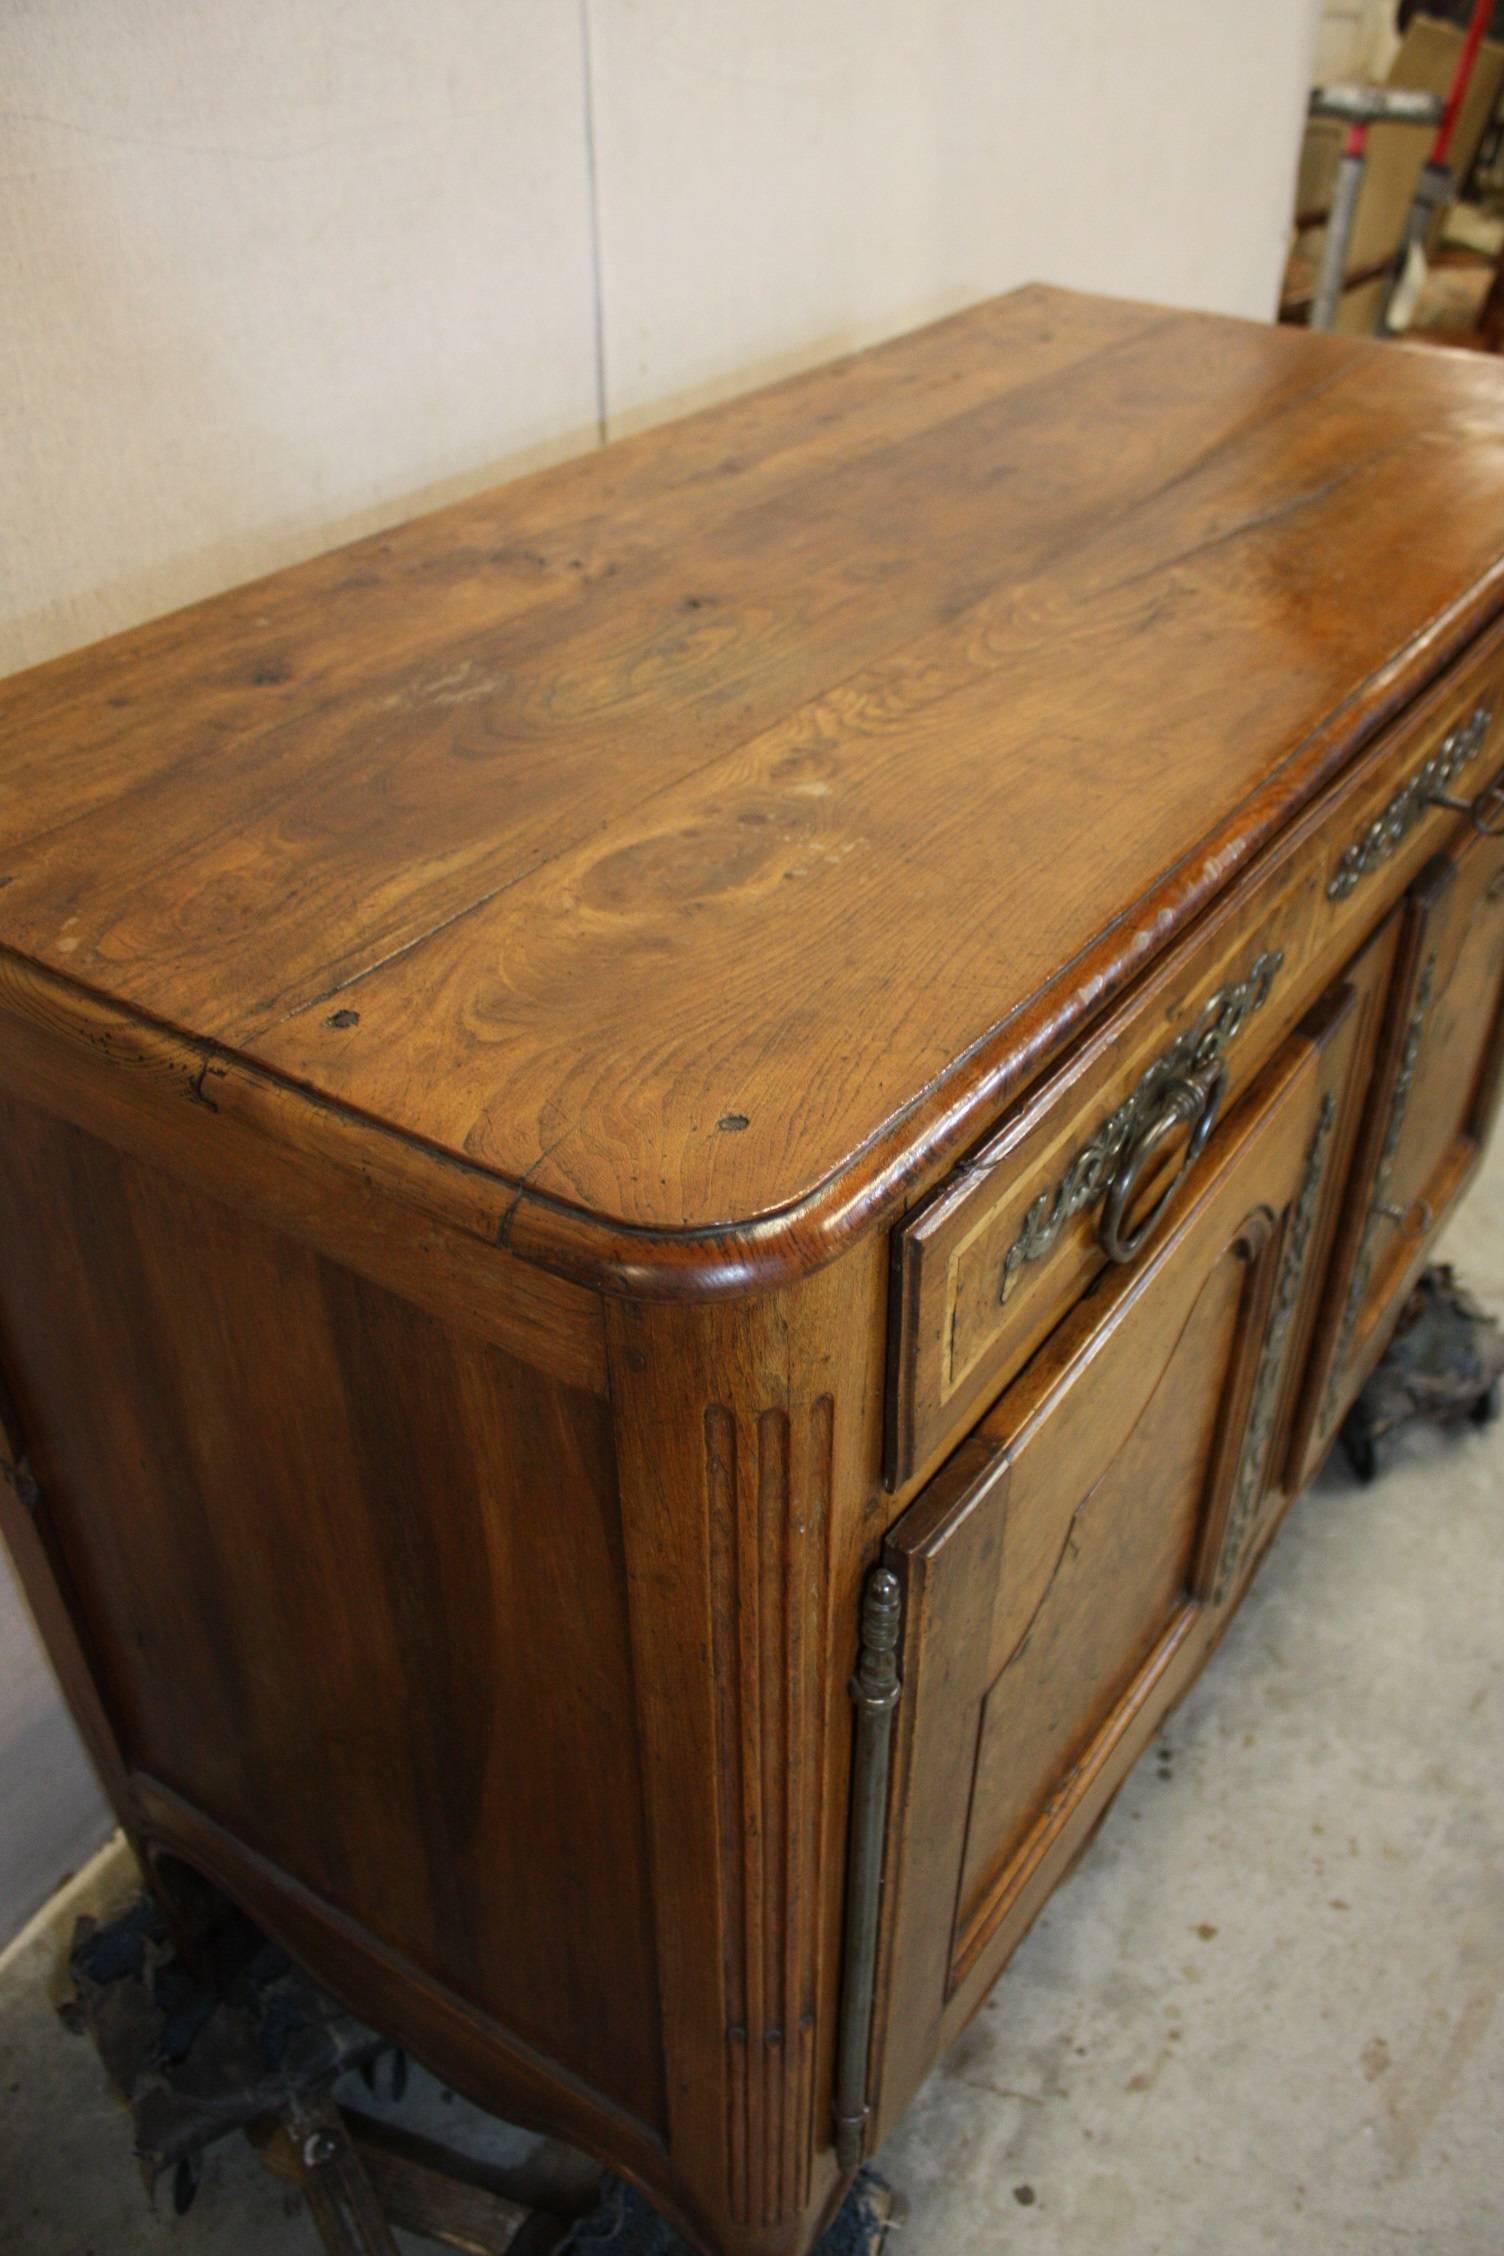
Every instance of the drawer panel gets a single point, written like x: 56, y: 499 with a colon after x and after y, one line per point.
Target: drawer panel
x: 989, y: 1263
x: 1073, y: 1559
x: 988, y: 1268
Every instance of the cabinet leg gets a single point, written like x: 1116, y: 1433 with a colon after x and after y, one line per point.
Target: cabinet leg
x: 626, y: 2224
x: 312, y: 2145
x: 1444, y: 1366
x: 236, y: 2039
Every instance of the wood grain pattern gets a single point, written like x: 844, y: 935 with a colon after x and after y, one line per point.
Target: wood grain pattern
x: 404, y: 1217
x: 305, y: 1529
x: 1120, y: 1549
x: 706, y: 911
x: 456, y: 2037
x: 584, y: 857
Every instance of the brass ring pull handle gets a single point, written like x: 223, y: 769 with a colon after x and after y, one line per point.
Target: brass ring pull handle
x: 1475, y: 809
x: 1194, y: 1098
x: 1413, y: 1221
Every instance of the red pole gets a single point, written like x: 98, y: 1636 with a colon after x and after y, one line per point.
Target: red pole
x: 1477, y: 25
x: 1433, y: 189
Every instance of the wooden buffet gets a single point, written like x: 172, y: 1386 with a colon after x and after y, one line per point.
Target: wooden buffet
x: 809, y: 1055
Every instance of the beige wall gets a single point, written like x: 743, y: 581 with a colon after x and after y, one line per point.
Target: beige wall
x: 795, y: 176
x: 276, y: 274
x: 273, y: 275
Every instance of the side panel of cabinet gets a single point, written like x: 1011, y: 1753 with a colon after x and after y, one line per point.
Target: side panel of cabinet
x: 1070, y: 1568
x: 1431, y: 1105
x: 350, y: 1584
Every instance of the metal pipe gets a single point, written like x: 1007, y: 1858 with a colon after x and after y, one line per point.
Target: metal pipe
x: 1339, y: 228
x: 1357, y: 107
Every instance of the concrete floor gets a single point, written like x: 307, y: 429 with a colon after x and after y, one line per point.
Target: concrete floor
x: 1260, y: 2015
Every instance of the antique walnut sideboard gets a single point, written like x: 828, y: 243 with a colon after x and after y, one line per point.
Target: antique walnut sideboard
x: 691, y: 1156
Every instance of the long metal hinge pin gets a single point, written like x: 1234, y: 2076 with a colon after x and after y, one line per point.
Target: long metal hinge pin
x: 874, y: 1692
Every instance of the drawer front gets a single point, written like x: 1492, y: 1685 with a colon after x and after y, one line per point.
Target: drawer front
x: 987, y: 1265
x: 1433, y: 1103
x: 1065, y: 1573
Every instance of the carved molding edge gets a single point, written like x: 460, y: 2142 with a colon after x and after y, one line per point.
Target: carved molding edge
x: 1200, y: 1047
x: 1373, y: 847
x: 1362, y: 1276
x: 1247, y: 1484
x: 768, y: 1485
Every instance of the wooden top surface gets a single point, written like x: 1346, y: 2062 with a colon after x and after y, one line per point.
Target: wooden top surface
x: 703, y: 834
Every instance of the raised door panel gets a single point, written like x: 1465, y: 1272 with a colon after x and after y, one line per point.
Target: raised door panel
x: 1453, y: 1058
x: 1108, y: 1503
x: 1434, y: 1097
x: 1066, y: 1572
x: 1296, y: 1453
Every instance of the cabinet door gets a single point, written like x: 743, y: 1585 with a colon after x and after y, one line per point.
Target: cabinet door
x: 1433, y: 1101
x: 1068, y: 1569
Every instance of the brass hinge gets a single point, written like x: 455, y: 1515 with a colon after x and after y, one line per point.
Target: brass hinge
x: 875, y: 1690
